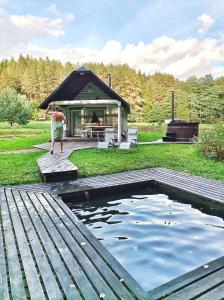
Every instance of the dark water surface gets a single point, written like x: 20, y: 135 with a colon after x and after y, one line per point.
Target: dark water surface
x: 155, y: 238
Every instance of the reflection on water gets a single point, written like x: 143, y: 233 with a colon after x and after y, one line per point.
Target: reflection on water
x: 169, y: 238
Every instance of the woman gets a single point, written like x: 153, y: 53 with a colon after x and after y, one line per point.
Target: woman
x: 57, y: 119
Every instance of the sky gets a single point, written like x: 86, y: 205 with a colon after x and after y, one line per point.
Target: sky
x: 179, y: 37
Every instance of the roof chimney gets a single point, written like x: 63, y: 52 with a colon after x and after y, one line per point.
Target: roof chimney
x: 172, y: 106
x: 109, y: 80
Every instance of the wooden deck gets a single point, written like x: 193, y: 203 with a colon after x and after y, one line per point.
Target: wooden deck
x: 46, y: 253
x: 204, y: 283
x: 57, y: 167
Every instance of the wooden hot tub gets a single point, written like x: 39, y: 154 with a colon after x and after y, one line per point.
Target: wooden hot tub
x: 181, y: 131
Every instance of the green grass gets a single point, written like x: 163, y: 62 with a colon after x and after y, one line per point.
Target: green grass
x: 19, y: 143
x: 22, y: 168
x: 23, y: 137
x: 19, y: 168
x: 44, y: 125
x: 185, y: 158
x: 150, y: 136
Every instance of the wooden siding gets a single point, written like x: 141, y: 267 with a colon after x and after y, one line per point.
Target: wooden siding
x: 91, y: 92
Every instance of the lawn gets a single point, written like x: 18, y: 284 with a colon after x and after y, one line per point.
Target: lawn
x: 150, y: 136
x: 22, y: 168
x: 24, y: 137
x: 185, y: 158
x: 19, y: 168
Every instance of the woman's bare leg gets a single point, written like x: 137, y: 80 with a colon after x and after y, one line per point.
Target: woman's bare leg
x: 52, y: 146
x: 61, y: 146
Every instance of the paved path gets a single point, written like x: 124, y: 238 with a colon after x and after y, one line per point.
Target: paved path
x: 161, y: 142
x: 21, y: 151
x: 57, y: 167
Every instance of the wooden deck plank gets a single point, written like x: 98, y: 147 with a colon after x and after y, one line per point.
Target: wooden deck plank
x: 32, y: 274
x: 84, y: 262
x: 46, y: 272
x: 61, y: 272
x: 80, y: 279
x: 199, y: 287
x: 99, y: 263
x: 210, y: 187
x: 81, y: 267
x: 190, y: 179
x: 194, y: 188
x: 57, y: 167
x: 121, y: 273
x: 215, y: 294
x: 17, y: 286
x: 187, y: 279
x: 4, y: 291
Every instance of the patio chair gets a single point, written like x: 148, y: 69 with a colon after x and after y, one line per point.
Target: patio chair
x: 131, y: 140
x: 110, y: 137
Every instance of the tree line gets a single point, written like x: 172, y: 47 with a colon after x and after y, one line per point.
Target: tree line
x: 196, y: 99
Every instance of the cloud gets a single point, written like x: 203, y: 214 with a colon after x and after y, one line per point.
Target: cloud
x: 18, y: 30
x: 53, y: 9
x: 33, y: 26
x: 182, y: 58
x: 207, y: 22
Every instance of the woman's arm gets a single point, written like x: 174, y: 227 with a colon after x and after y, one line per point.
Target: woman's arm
x: 64, y: 118
x: 48, y: 112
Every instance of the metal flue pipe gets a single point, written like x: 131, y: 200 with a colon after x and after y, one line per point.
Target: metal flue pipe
x: 109, y: 80
x: 172, y: 107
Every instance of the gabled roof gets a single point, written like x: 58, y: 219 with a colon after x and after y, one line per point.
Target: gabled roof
x: 75, y: 82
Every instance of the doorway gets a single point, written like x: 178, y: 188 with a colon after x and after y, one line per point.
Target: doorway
x: 76, y: 122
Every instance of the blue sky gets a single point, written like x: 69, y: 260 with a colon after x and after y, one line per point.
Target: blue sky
x: 159, y: 35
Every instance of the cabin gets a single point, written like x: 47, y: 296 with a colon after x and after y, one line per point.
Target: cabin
x: 90, y: 105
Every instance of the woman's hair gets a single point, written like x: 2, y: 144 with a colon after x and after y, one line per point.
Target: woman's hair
x: 57, y: 108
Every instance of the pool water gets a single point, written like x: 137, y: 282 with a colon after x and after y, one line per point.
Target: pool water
x: 155, y: 238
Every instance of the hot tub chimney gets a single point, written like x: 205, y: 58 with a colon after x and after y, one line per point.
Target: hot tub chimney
x: 109, y: 80
x: 172, y: 106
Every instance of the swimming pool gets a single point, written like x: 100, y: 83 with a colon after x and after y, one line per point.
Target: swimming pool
x: 154, y: 236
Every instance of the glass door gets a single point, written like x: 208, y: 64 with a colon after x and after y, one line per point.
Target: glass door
x: 76, y: 121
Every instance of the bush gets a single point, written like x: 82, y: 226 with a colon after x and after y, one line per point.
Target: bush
x: 14, y: 107
x: 212, y: 142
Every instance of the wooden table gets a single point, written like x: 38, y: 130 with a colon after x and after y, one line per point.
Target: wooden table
x: 95, y: 129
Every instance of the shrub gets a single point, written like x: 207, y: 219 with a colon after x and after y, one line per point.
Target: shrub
x: 212, y: 142
x: 14, y: 107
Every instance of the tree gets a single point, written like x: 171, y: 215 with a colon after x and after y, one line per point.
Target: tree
x: 14, y: 107
x: 149, y: 96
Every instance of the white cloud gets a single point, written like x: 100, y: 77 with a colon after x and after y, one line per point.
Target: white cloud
x: 53, y: 9
x: 182, y: 58
x: 207, y: 22
x: 34, y: 26
x: 18, y: 30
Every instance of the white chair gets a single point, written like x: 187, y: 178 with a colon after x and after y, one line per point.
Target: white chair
x: 132, y: 139
x: 132, y: 135
x: 110, y: 134
x: 109, y: 137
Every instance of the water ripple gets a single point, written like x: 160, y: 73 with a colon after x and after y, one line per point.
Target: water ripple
x: 169, y: 238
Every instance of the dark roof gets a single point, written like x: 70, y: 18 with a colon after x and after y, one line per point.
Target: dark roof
x: 75, y: 82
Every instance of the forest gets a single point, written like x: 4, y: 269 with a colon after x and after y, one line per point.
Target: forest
x: 196, y: 99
